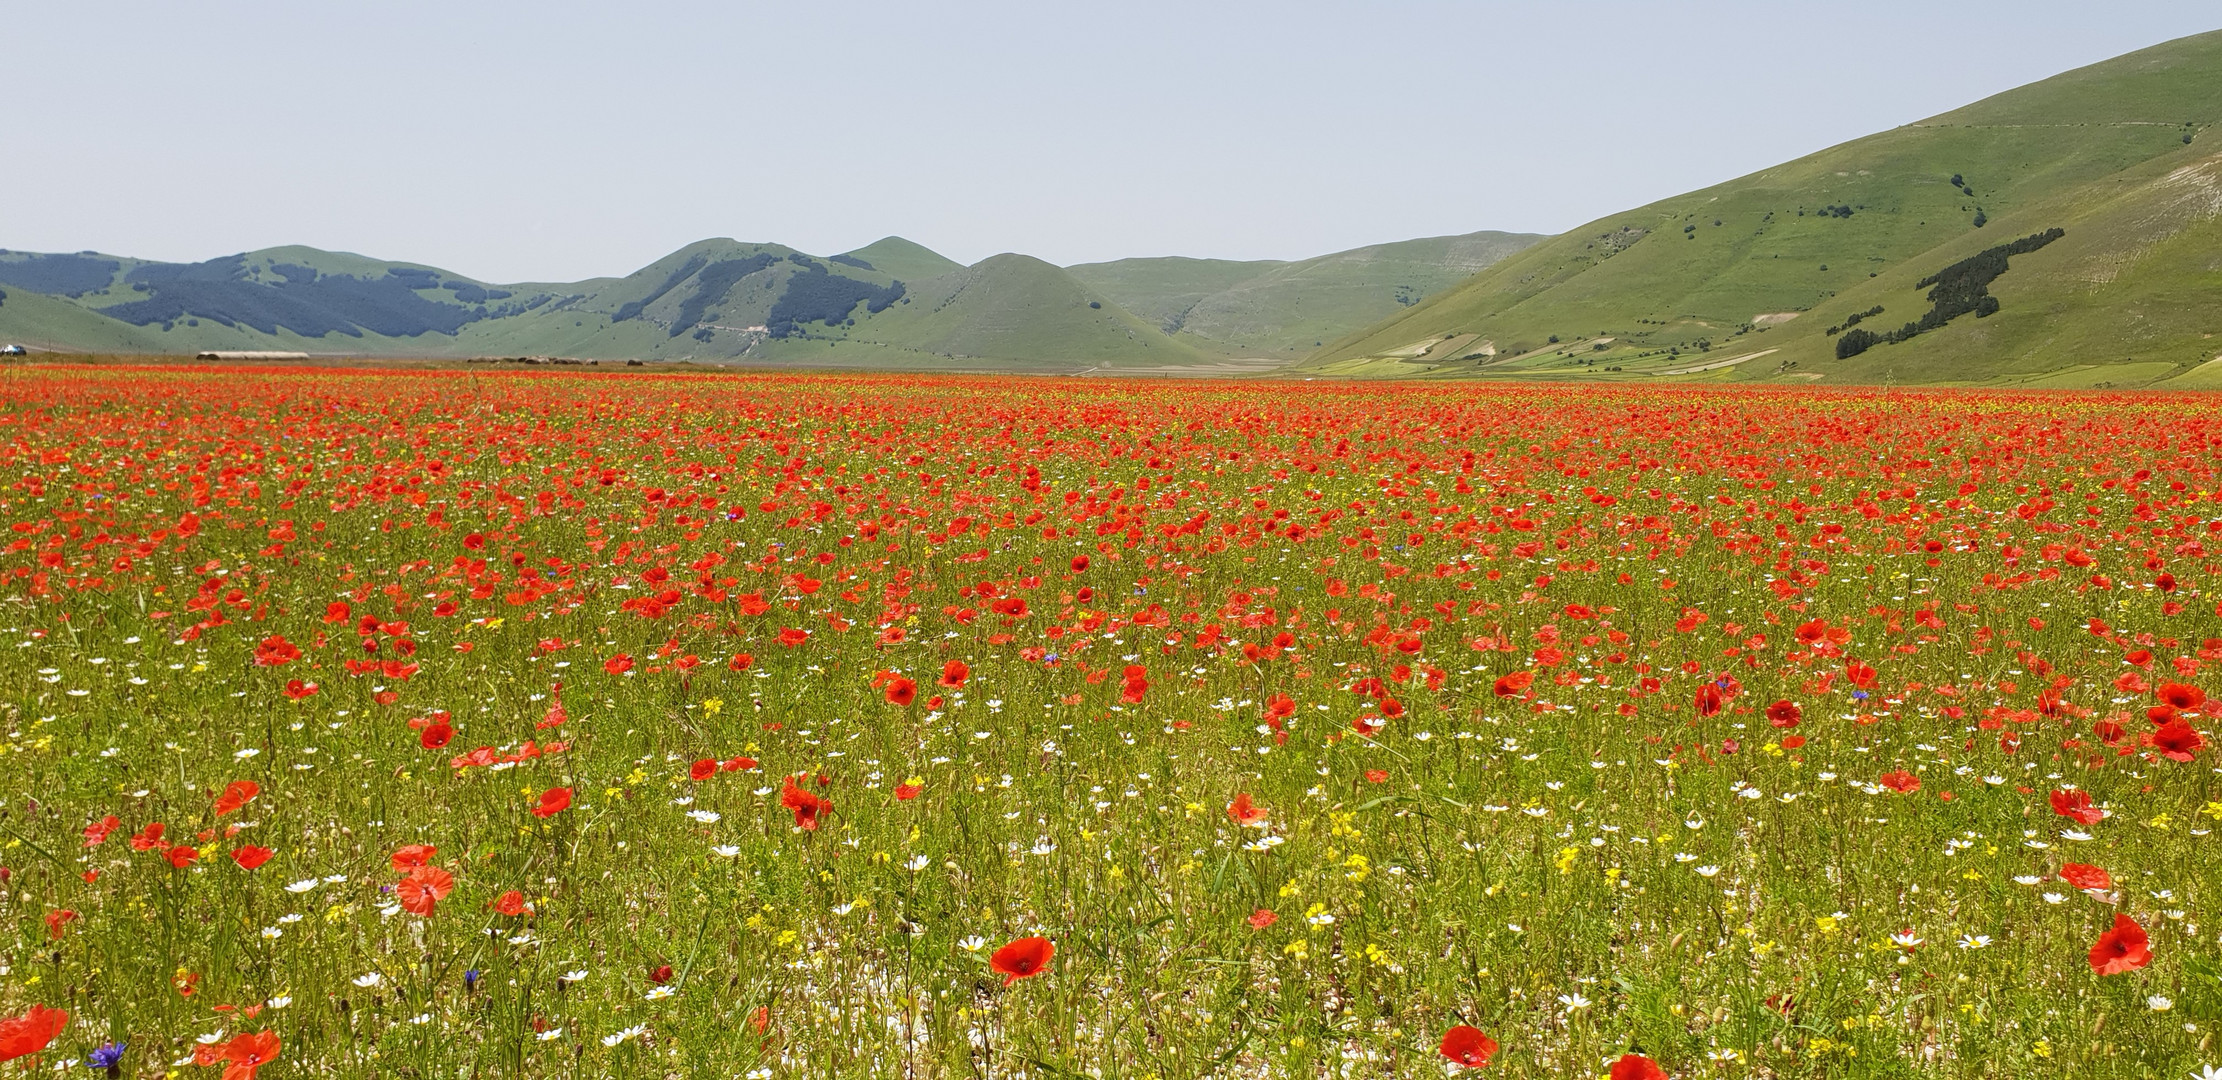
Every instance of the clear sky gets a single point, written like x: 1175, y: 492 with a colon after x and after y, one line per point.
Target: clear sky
x: 555, y: 140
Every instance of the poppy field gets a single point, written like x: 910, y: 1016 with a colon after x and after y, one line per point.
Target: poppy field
x: 429, y: 724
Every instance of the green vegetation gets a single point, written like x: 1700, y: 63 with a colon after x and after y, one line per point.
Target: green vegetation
x: 904, y: 260
x: 1771, y: 267
x: 1287, y: 308
x: 891, y: 304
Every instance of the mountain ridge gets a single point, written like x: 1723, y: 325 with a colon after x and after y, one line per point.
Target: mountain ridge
x: 717, y: 300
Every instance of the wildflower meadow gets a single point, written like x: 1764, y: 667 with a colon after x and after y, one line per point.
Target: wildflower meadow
x: 432, y: 724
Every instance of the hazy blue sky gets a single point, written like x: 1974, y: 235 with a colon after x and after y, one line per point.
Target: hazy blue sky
x: 552, y: 140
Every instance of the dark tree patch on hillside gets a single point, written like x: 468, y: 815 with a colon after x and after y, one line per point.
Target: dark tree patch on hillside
x: 711, y: 285
x: 59, y: 275
x: 851, y: 260
x: 813, y: 295
x: 633, y: 309
x: 1956, y: 290
x: 474, y: 294
x: 306, y: 303
x: 1856, y: 318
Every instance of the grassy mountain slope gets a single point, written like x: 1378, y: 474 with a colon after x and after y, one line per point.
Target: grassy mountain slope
x: 1766, y: 263
x: 901, y: 259
x: 715, y: 300
x: 1288, y: 308
x: 1016, y: 306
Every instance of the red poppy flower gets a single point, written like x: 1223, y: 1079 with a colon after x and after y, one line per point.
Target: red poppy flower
x: 55, y: 920
x: 2176, y: 741
x: 275, y: 651
x: 1079, y: 563
x: 1792, y: 742
x: 953, y: 674
x: 236, y: 794
x: 1636, y: 1067
x: 1512, y: 686
x: 1262, y: 918
x: 1136, y: 684
x: 619, y: 664
x: 1784, y: 714
x: 901, y: 691
x: 807, y: 806
x: 740, y: 662
x: 907, y: 792
x: 424, y: 887
x: 181, y: 856
x: 22, y: 1036
x: 2077, y: 805
x: 1243, y: 812
x: 337, y: 612
x: 512, y: 903
x: 2181, y: 696
x: 1861, y: 674
x: 2086, y: 877
x: 97, y: 832
x: 1901, y: 781
x: 1708, y: 700
x: 552, y: 802
x: 149, y: 838
x: 703, y: 769
x: 661, y: 975
x: 2122, y: 949
x: 249, y: 856
x: 1022, y: 959
x: 410, y: 857
x: 1467, y: 1046
x: 243, y: 1055
x: 437, y: 736
x: 298, y: 690
x: 793, y: 636
x: 1377, y: 776
x: 738, y: 764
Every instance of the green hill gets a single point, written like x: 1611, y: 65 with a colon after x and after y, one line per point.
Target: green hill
x: 1271, y: 308
x: 716, y: 300
x: 1746, y: 279
x: 902, y: 259
x: 1011, y: 307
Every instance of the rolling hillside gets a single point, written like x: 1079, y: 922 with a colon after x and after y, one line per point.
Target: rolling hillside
x: 1290, y: 308
x: 889, y: 304
x: 1747, y: 279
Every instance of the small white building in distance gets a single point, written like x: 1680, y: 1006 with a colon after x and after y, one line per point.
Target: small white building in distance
x: 227, y: 354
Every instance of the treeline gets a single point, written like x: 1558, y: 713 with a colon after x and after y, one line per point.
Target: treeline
x: 1956, y: 290
x: 632, y: 309
x: 307, y: 304
x: 58, y: 275
x: 1857, y: 318
x: 711, y: 285
x: 813, y: 295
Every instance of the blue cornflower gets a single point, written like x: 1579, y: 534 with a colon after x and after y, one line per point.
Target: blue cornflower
x: 109, y: 1056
